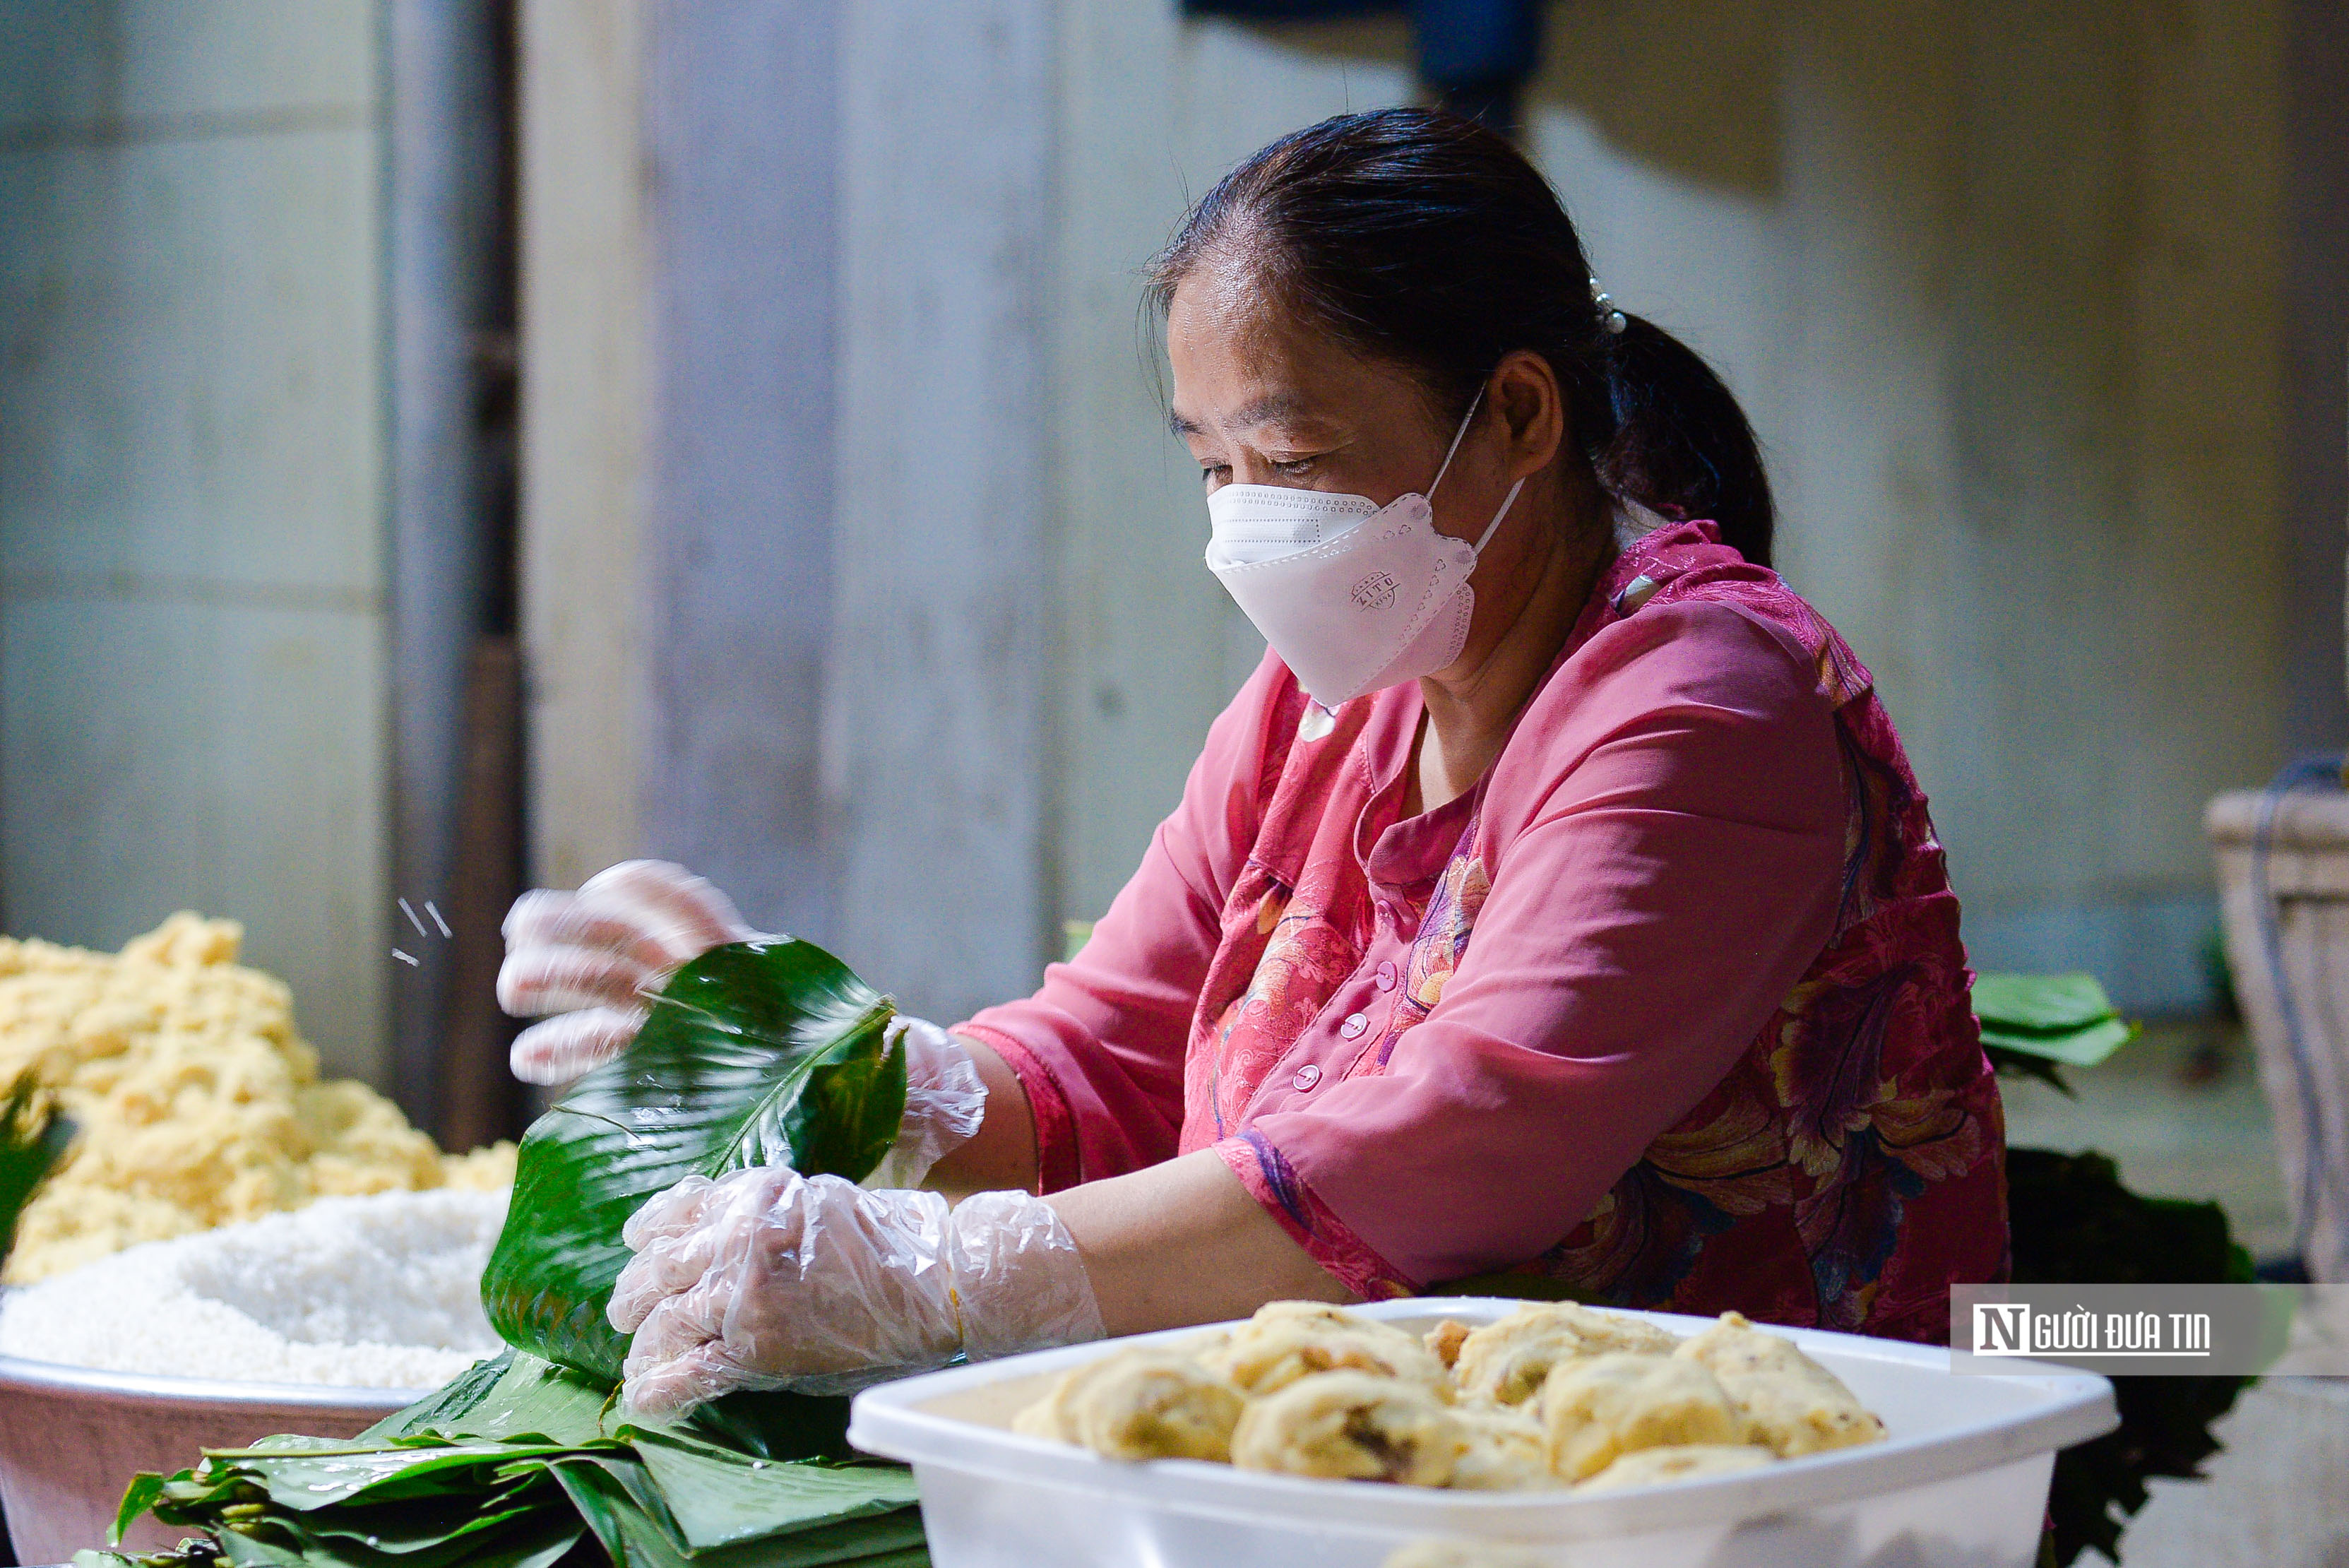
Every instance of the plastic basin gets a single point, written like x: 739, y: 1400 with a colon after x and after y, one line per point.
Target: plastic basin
x: 1961, y: 1482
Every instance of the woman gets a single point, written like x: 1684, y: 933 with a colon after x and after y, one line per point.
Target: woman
x: 1555, y: 897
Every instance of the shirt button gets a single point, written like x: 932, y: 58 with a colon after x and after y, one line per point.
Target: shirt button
x: 1307, y: 1076
x: 1354, y: 1025
x: 1386, y: 977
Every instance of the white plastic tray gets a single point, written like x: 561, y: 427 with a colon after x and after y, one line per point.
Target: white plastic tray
x: 1960, y: 1482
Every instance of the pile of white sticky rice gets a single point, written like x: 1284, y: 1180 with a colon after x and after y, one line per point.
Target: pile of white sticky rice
x: 381, y: 1292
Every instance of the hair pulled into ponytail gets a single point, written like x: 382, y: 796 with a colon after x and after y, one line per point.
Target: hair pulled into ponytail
x: 1430, y: 242
x: 1677, y: 441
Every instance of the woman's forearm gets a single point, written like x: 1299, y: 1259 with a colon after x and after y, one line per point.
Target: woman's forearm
x: 1001, y: 1156
x: 1180, y: 1242
x: 1184, y: 1242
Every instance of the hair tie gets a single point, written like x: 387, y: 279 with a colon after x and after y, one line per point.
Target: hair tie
x: 1610, y: 317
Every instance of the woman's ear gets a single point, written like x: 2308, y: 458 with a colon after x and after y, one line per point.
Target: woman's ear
x: 1524, y: 391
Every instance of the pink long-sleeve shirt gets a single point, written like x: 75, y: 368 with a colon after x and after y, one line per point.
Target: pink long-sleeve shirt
x: 1670, y: 1005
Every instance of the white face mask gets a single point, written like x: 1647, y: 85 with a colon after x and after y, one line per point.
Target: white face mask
x: 1354, y: 596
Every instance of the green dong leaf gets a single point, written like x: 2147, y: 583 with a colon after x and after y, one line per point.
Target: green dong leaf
x: 756, y: 1053
x: 2083, y: 1047
x: 2040, y: 1004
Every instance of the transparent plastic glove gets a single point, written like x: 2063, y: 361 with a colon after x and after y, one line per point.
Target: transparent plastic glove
x: 590, y: 959
x: 766, y: 1279
x: 944, y: 1103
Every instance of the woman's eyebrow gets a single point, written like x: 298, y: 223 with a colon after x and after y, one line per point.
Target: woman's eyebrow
x: 1258, y: 410
x: 1266, y: 409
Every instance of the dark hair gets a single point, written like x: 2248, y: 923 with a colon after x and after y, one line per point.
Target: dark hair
x: 1430, y: 242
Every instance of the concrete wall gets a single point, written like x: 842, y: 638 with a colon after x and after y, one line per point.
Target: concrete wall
x: 2032, y: 447
x: 1997, y: 285
x: 191, y: 575
x: 587, y: 417
x: 738, y: 107
x: 2315, y: 312
x: 787, y: 572
x: 937, y: 715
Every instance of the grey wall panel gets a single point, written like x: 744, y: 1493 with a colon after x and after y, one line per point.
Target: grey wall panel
x: 936, y: 745
x: 585, y: 265
x: 738, y: 565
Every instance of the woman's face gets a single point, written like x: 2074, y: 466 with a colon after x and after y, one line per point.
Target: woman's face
x: 1260, y: 399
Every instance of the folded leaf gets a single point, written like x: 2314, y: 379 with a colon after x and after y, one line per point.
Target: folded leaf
x: 890, y: 1541
x: 893, y: 1541
x: 140, y: 1495
x: 413, y: 1537
x: 338, y: 1475
x: 656, y: 1498
x: 756, y: 1053
x: 460, y: 1399
x: 2040, y: 1004
x: 769, y: 1424
x: 607, y: 1509
x: 246, y: 1551
x: 2076, y: 1048
x: 540, y: 1541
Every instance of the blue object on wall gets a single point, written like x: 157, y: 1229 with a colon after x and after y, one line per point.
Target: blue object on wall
x: 1475, y: 54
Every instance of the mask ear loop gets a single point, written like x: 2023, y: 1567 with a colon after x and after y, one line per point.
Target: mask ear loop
x: 1493, y: 526
x: 1457, y: 437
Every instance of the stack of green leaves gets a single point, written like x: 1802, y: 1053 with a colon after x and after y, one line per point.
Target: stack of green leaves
x: 756, y: 1053
x: 517, y: 1465
x: 2036, y: 1025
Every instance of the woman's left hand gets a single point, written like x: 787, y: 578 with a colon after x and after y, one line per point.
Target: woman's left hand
x: 766, y: 1279
x: 582, y: 963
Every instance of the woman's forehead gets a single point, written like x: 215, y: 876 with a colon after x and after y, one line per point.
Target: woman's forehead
x: 1222, y: 324
x: 1241, y: 363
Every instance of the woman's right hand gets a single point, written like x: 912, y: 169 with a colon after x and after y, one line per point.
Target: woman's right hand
x: 584, y: 963
x: 764, y: 1279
